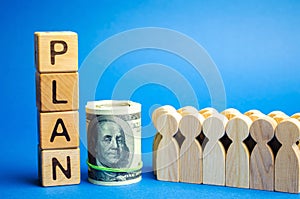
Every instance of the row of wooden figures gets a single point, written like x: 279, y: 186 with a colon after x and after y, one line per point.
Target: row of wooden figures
x: 190, y: 162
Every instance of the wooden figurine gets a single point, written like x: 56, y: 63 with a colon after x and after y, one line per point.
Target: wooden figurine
x: 206, y: 112
x: 190, y: 152
x: 167, y: 160
x: 278, y: 116
x: 254, y: 111
x: 231, y: 113
x: 156, y: 113
x: 262, y: 158
x: 274, y: 113
x: 237, y: 158
x: 287, y: 162
x: 214, y: 152
x: 296, y: 116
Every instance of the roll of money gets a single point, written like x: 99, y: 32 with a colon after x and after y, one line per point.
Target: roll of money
x: 114, y: 142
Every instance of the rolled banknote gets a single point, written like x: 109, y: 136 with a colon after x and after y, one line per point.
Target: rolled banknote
x: 114, y: 142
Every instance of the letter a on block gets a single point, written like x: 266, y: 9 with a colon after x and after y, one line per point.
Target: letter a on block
x: 59, y: 130
x: 59, y: 167
x: 64, y: 131
x: 56, y: 51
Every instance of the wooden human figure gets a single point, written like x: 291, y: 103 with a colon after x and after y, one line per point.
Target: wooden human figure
x: 231, y: 113
x: 262, y: 158
x: 167, y: 160
x: 156, y: 113
x: 187, y: 110
x: 278, y: 116
x: 287, y: 162
x: 237, y: 159
x: 214, y: 153
x: 274, y: 113
x: 206, y: 112
x: 252, y: 112
x: 296, y: 116
x: 191, y: 152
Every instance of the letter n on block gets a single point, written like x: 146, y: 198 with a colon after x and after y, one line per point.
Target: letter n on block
x: 57, y: 91
x: 59, y: 167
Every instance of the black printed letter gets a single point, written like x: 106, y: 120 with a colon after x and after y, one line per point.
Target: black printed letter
x: 54, y: 100
x: 54, y: 53
x: 64, y: 133
x: 66, y: 172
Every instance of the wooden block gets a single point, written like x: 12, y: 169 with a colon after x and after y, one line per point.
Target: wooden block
x: 237, y: 158
x: 168, y: 149
x: 57, y: 92
x: 191, y: 151
x: 287, y: 162
x: 262, y: 158
x: 56, y: 51
x: 59, y: 130
x: 214, y: 153
x: 59, y: 167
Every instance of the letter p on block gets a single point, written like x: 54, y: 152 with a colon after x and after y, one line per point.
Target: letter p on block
x: 56, y: 51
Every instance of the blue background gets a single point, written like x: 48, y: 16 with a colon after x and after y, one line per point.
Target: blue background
x: 256, y: 46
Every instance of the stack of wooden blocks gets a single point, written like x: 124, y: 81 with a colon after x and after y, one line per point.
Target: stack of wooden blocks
x: 56, y: 60
x: 271, y: 162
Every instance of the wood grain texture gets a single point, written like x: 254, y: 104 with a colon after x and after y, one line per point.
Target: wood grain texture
x: 191, y: 152
x: 237, y: 159
x: 62, y: 87
x: 59, y: 167
x: 59, y: 130
x: 156, y: 141
x: 64, y: 56
x: 287, y: 162
x: 262, y: 158
x: 214, y: 153
x: 167, y: 162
